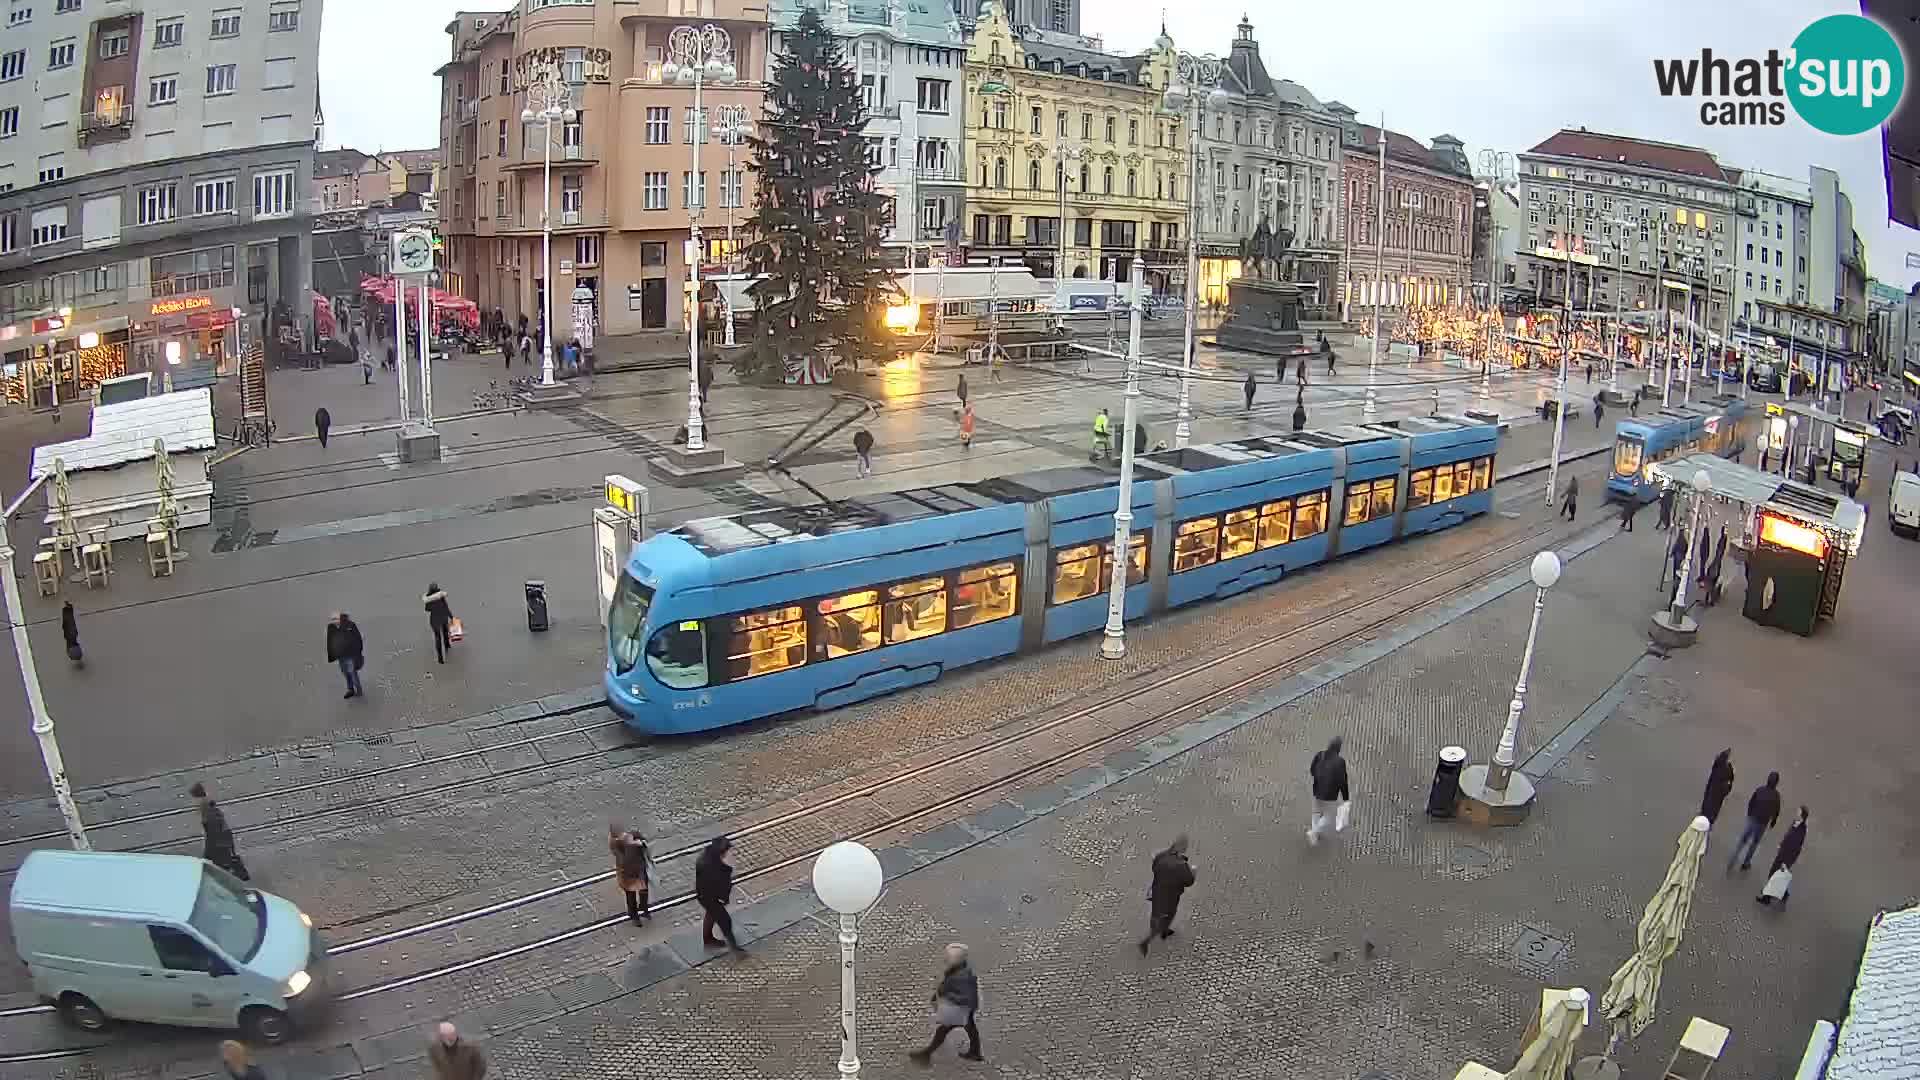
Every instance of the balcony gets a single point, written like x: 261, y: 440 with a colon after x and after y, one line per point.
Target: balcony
x: 564, y: 157
x: 469, y: 111
x: 938, y: 174
x: 110, y: 121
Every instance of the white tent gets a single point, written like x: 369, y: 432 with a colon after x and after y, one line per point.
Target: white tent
x: 109, y: 490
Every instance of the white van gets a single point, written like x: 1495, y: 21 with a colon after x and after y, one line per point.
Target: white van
x: 1903, y: 505
x: 166, y: 939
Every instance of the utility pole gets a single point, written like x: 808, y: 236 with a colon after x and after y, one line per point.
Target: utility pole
x: 1379, y: 271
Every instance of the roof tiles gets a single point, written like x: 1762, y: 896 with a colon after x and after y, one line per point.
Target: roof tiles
x: 1620, y: 150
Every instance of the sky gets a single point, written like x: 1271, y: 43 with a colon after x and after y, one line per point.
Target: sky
x: 1499, y: 74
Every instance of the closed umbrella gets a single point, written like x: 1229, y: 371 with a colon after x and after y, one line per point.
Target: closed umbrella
x: 63, y: 506
x: 1549, y: 1054
x: 163, y: 488
x: 1630, y: 997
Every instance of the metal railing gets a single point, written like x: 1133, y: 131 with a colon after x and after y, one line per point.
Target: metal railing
x: 107, y: 119
x: 950, y: 173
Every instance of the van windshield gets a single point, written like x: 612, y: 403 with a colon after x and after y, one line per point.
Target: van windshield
x: 229, y: 914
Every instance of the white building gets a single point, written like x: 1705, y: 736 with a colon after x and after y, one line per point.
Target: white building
x: 1802, y: 269
x: 155, y: 167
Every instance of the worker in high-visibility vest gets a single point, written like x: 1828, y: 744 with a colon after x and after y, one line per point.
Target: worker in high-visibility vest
x: 1102, y: 437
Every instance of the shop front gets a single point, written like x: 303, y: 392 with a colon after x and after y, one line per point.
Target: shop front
x: 1219, y: 264
x: 57, y: 359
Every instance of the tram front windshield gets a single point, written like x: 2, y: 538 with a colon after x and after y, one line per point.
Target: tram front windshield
x: 1627, y: 456
x: 627, y: 622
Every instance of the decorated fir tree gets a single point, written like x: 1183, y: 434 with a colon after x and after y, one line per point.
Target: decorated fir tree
x: 819, y: 221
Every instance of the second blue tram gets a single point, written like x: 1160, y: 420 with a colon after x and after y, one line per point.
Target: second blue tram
x: 725, y: 620
x: 1720, y: 425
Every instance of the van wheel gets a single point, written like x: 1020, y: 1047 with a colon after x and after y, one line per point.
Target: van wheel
x: 81, y: 1012
x: 269, y: 1027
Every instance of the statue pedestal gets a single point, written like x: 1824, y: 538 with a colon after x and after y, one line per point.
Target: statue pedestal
x: 1263, y: 317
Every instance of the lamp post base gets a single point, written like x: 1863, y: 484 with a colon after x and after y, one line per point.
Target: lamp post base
x: 546, y: 397
x: 1672, y: 631
x: 1481, y: 805
x: 418, y: 443
x: 681, y: 467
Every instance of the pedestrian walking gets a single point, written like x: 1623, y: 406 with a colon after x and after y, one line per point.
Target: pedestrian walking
x: 238, y: 1061
x: 526, y: 349
x: 1279, y: 370
x: 1172, y: 877
x: 966, y: 426
x: 1633, y: 405
x: 353, y: 340
x: 1599, y: 411
x: 1571, y: 503
x: 1300, y: 409
x: 1589, y: 374
x: 1248, y: 389
x: 1629, y: 507
x: 1780, y: 874
x: 955, y: 1002
x: 632, y: 866
x: 439, y: 619
x: 1763, y: 811
x: 454, y: 1058
x: 713, y: 888
x: 346, y: 648
x: 1328, y: 350
x: 1666, y: 508
x: 366, y: 372
x: 1139, y: 438
x: 322, y: 420
x: 508, y: 346
x: 960, y: 388
x: 1719, y: 784
x: 706, y: 386
x: 219, y: 848
x: 388, y: 362
x: 1328, y: 772
x: 1678, y: 554
x: 863, y: 451
x: 1300, y: 373
x: 1102, y: 437
x: 70, y: 630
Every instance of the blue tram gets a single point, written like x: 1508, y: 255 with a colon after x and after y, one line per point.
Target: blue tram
x: 725, y: 620
x: 1720, y: 425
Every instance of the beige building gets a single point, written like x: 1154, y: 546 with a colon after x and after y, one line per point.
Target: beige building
x: 623, y: 183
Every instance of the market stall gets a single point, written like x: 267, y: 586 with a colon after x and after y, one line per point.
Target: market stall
x: 108, y: 488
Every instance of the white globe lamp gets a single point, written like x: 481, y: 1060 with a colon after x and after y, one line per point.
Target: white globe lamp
x: 1546, y: 569
x: 847, y: 878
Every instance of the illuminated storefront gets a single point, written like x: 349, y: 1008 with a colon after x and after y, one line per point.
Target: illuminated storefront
x: 61, y: 358
x: 1216, y: 270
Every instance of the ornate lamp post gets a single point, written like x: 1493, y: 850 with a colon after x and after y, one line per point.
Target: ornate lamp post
x: 847, y: 878
x: 1114, y: 645
x: 1545, y: 571
x: 1065, y: 152
x: 733, y: 127
x: 1195, y: 87
x: 547, y: 102
x: 697, y: 56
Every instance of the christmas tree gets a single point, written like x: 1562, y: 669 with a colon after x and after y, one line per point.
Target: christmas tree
x: 819, y: 221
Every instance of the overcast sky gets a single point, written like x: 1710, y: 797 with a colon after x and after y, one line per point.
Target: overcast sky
x: 1503, y: 74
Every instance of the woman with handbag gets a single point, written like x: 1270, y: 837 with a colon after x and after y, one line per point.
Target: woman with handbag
x: 632, y: 864
x: 955, y: 1001
x: 1780, y: 877
x: 439, y: 619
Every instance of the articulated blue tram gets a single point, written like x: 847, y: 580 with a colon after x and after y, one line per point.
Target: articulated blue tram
x: 1720, y: 425
x: 725, y: 620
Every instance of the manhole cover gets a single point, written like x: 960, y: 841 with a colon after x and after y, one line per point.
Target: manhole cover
x: 1536, y: 950
x: 1471, y: 858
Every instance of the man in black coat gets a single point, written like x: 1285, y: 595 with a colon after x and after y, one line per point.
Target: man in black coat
x: 346, y: 648
x: 713, y: 888
x: 1328, y: 771
x: 219, y: 849
x: 322, y: 422
x: 1172, y: 876
x: 1719, y: 785
x: 1763, y: 811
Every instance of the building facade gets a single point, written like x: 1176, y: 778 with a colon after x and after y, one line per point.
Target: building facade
x: 1659, y: 218
x: 1072, y: 166
x: 1272, y: 154
x: 1803, y: 279
x: 1059, y: 16
x: 347, y: 179
x: 624, y: 191
x: 155, y: 190
x: 1427, y: 255
x: 910, y: 61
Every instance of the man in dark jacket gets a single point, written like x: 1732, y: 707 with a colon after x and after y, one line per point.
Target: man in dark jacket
x: 1328, y: 771
x: 1719, y: 785
x: 219, y: 849
x: 713, y: 888
x: 346, y: 648
x: 454, y: 1058
x: 1248, y: 388
x: 322, y: 422
x: 1172, y: 876
x: 1763, y: 810
x: 70, y: 630
x: 955, y: 1001
x: 863, y: 451
x: 1300, y: 409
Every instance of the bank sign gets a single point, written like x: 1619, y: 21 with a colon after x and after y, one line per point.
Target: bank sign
x: 1843, y: 75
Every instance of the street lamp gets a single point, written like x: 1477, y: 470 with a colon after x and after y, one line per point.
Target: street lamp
x: 1114, y: 645
x: 1195, y: 87
x: 1545, y: 571
x: 42, y: 726
x: 1702, y: 486
x: 733, y: 127
x: 1370, y: 407
x: 546, y: 101
x: 697, y: 56
x: 847, y: 878
x: 1063, y: 153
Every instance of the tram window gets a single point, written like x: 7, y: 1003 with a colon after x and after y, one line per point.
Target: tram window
x: 1419, y: 488
x: 1076, y: 572
x: 1237, y: 535
x: 1443, y: 483
x: 1276, y: 523
x: 1383, y: 498
x: 1309, y: 514
x: 1358, y: 495
x: 1482, y: 473
x: 1136, y: 560
x: 985, y: 593
x: 1195, y: 544
x: 848, y: 624
x: 1462, y: 478
x: 677, y: 655
x: 761, y: 642
x: 916, y: 609
x: 626, y: 620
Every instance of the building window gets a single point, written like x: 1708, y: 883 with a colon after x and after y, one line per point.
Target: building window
x: 163, y: 90
x: 114, y: 44
x: 500, y: 199
x: 933, y: 215
x: 283, y: 16
x: 272, y: 192
x: 1033, y: 121
x: 586, y: 250
x: 1133, y: 181
x: 156, y: 205
x: 933, y: 95
x: 59, y: 56
x: 1086, y: 127
x: 658, y: 119
x: 220, y: 79
x: 501, y: 139
x: 49, y: 226
x: 169, y: 33
x: 654, y: 191
x: 67, y: 5
x: 9, y: 122
x: 9, y: 233
x: 19, y: 13
x: 226, y: 23
x: 693, y: 190
x: 52, y: 167
x: 570, y: 194
x: 1086, y: 178
x: 1000, y: 114
x: 1110, y: 123
x: 1033, y: 175
x: 1000, y: 172
x: 1060, y: 123
x: 731, y: 185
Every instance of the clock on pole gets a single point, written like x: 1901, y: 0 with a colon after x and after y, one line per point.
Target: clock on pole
x: 412, y: 251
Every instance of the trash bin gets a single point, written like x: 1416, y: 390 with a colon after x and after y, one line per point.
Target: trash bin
x: 537, y: 613
x: 1446, y: 782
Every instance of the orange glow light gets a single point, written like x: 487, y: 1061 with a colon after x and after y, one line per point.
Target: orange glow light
x: 1792, y: 535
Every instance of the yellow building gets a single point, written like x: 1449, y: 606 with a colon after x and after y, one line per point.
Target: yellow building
x: 1058, y: 131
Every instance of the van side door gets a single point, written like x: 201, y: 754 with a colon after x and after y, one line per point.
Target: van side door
x: 197, y: 987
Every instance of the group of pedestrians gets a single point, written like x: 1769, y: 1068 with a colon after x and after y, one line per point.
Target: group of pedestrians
x: 347, y: 646
x: 1763, y: 813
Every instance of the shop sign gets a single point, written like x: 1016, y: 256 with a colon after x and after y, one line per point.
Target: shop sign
x: 1219, y: 251
x: 49, y: 324
x: 210, y: 320
x: 180, y: 305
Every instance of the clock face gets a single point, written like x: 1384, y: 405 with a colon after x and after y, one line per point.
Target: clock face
x: 416, y: 252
